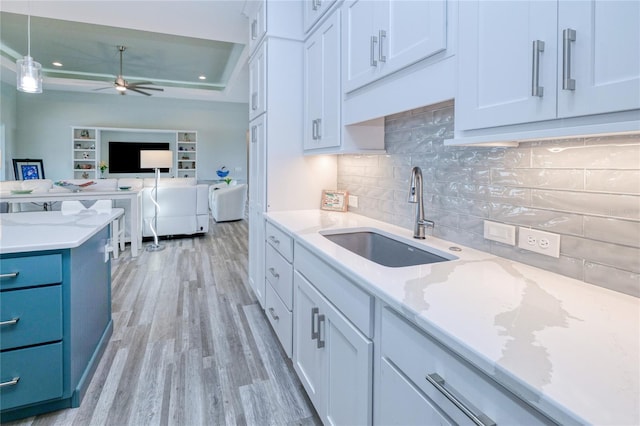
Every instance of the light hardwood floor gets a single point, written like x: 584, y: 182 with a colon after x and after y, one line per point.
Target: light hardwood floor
x: 191, y: 345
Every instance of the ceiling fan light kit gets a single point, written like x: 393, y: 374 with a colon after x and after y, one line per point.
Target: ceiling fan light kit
x: 28, y: 71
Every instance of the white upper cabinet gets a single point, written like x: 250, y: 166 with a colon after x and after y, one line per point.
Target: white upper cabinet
x: 322, y: 86
x: 257, y: 82
x: 531, y: 61
x: 495, y: 59
x: 314, y: 10
x: 604, y: 59
x: 381, y: 37
x: 258, y: 23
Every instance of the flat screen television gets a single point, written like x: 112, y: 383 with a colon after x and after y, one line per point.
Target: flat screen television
x: 124, y: 157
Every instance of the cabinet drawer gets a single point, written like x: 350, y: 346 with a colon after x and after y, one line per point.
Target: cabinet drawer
x: 39, y: 370
x: 280, y: 241
x: 29, y: 271
x: 39, y: 314
x: 279, y: 274
x: 417, y: 355
x: 280, y: 318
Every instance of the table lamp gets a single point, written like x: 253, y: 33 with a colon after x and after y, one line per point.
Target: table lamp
x: 155, y: 159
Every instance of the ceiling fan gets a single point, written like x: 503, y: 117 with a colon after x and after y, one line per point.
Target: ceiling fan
x: 123, y: 85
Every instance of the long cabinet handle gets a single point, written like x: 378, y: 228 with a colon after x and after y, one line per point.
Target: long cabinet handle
x: 479, y: 419
x: 320, y: 343
x: 274, y: 273
x: 314, y: 130
x: 318, y: 132
x: 10, y: 322
x: 314, y: 334
x: 536, y: 89
x: 568, y: 36
x: 381, y: 57
x: 254, y: 101
x: 254, y: 31
x: 273, y: 314
x: 316, y: 4
x: 9, y: 275
x: 372, y: 52
x: 11, y: 382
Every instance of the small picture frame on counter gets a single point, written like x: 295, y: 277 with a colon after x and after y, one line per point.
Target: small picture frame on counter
x: 336, y: 201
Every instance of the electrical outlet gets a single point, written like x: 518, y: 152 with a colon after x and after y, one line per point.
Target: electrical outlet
x: 541, y: 242
x: 500, y: 232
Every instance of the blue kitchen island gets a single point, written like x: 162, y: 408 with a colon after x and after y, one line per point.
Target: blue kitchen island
x: 55, y: 308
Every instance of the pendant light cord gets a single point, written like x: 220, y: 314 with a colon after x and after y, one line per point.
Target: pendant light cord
x: 29, y: 35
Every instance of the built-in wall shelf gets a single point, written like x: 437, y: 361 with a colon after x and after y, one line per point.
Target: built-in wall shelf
x: 88, y: 149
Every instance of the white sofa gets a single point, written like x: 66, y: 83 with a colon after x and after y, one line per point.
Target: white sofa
x: 227, y: 202
x: 183, y: 207
x: 183, y: 203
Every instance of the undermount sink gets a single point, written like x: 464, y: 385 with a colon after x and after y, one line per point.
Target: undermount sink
x: 385, y: 250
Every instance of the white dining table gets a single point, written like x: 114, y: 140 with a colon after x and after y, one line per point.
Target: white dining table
x: 134, y: 197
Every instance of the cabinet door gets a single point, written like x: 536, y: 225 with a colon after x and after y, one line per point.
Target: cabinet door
x: 603, y: 58
x: 308, y: 359
x: 313, y: 11
x: 400, y: 403
x: 349, y: 360
x: 322, y: 86
x: 257, y: 23
x: 359, y: 50
x: 413, y: 30
x: 495, y: 62
x: 257, y: 79
x: 257, y: 196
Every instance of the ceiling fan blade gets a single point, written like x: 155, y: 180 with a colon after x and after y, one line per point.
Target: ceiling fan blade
x: 138, y: 91
x: 146, y: 88
x: 140, y: 83
x: 102, y: 88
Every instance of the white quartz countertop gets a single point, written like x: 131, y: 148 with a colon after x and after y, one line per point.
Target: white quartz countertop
x: 569, y: 348
x: 36, y: 231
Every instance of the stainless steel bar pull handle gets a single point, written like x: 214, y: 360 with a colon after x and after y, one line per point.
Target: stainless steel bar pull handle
x: 11, y: 382
x: 320, y: 344
x: 382, y: 34
x: 372, y: 52
x: 254, y: 31
x: 274, y: 273
x: 273, y: 314
x: 254, y: 101
x: 318, y: 133
x: 10, y: 322
x: 9, y: 275
x: 314, y: 334
x: 314, y: 129
x: 568, y: 36
x: 479, y: 419
x: 536, y: 89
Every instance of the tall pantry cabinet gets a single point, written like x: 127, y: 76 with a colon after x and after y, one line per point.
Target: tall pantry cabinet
x: 280, y: 176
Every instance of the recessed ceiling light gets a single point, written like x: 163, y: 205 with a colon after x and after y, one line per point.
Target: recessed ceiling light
x: 202, y: 77
x: 56, y: 64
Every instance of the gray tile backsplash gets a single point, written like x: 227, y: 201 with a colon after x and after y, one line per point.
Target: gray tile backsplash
x: 587, y: 190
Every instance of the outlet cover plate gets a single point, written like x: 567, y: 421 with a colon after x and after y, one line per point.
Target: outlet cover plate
x: 500, y: 232
x: 542, y: 242
x: 353, y: 201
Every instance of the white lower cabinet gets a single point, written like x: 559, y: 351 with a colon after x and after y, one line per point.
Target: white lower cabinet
x: 441, y: 384
x: 331, y: 357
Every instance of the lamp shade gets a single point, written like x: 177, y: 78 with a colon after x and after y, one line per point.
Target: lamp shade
x: 29, y: 75
x: 156, y: 159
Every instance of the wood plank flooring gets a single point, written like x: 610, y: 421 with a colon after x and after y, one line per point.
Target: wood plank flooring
x: 191, y: 345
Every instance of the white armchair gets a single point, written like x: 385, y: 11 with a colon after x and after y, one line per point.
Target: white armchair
x: 228, y: 203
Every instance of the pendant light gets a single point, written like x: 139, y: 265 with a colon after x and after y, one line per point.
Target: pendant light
x: 28, y: 71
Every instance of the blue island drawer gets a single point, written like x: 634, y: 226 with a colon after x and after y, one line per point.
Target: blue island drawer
x: 29, y: 271
x: 38, y: 312
x: 38, y: 371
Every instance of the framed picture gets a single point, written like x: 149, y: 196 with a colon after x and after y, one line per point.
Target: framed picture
x: 334, y: 200
x: 26, y: 169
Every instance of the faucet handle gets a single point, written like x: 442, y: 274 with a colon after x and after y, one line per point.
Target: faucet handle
x: 427, y: 223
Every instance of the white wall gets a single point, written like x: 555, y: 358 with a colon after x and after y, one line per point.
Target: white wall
x: 8, y: 126
x: 44, y: 126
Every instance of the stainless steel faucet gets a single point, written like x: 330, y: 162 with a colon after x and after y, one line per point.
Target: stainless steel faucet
x: 415, y: 196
